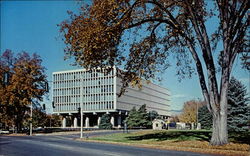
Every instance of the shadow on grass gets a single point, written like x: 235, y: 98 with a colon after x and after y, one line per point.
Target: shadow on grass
x: 174, y: 135
x: 240, y: 137
x: 190, y: 135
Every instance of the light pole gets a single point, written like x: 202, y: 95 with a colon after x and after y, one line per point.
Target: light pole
x: 81, y: 101
x: 31, y: 109
x: 50, y: 122
x: 197, y: 115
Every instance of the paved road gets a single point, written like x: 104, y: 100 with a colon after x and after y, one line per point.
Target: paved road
x: 64, y: 146
x: 90, y: 133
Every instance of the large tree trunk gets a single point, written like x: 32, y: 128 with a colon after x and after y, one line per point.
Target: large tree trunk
x: 220, y: 132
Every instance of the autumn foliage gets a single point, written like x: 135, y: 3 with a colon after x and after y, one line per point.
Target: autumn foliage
x: 140, y: 35
x: 23, y: 82
x: 189, y: 112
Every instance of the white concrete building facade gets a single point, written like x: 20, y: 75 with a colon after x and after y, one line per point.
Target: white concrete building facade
x: 97, y: 91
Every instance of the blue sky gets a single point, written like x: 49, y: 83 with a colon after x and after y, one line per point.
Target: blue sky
x: 31, y: 26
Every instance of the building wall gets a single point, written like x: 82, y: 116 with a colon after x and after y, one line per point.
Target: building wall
x: 155, y: 97
x: 99, y: 96
x: 97, y: 90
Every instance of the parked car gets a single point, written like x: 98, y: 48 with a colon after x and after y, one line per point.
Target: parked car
x: 39, y: 130
x: 4, y: 132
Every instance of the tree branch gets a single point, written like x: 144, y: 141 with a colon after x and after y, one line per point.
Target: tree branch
x: 201, y: 76
x: 235, y: 23
x: 153, y: 31
x: 202, y: 36
x: 208, y: 58
x: 146, y: 21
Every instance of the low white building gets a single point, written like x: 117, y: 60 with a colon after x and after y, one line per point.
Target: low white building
x: 158, y: 124
x: 180, y: 125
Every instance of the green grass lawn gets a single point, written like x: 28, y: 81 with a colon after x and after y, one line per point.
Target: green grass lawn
x: 176, y: 135
x: 185, y: 140
x: 150, y: 135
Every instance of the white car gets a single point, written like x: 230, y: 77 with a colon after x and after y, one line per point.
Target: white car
x: 4, y: 132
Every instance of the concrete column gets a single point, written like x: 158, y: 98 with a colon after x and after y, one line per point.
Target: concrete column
x: 199, y: 126
x: 64, y: 122
x: 119, y: 121
x: 98, y: 120
x: 192, y: 125
x: 112, y: 121
x: 126, y: 113
x: 75, y: 122
x: 87, y: 122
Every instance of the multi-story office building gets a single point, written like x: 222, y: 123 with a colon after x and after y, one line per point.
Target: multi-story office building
x: 97, y: 91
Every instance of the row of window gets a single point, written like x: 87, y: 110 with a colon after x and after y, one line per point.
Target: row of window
x: 80, y: 74
x: 86, y: 107
x: 77, y: 83
x: 98, y: 90
x: 66, y: 107
x: 88, y: 90
x: 90, y: 98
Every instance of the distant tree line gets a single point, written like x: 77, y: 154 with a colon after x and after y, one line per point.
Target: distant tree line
x: 41, y: 119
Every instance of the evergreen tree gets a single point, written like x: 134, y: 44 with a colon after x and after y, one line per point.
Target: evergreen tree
x: 143, y: 116
x: 105, y: 122
x: 248, y: 110
x: 138, y: 118
x: 152, y: 115
x: 204, y: 118
x: 133, y: 118
x: 238, y: 109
